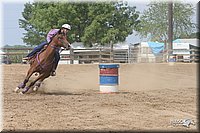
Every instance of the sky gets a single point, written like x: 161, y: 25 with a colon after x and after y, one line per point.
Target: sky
x: 11, y: 12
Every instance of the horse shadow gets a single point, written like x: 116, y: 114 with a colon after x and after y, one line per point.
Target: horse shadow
x: 59, y: 93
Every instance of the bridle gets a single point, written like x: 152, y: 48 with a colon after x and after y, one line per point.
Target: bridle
x: 62, y: 42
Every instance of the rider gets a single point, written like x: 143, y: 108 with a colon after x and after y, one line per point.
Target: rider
x: 65, y: 28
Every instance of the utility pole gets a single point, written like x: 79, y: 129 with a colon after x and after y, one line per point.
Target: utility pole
x: 170, y: 28
x: 111, y: 52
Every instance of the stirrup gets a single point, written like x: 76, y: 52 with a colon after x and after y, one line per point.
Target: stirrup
x: 25, y: 60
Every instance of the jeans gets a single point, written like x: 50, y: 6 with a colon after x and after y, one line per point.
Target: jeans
x: 39, y: 48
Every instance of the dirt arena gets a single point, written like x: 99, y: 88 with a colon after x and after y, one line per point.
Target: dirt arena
x: 151, y: 97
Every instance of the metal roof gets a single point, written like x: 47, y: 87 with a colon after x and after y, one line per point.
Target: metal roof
x: 192, y: 41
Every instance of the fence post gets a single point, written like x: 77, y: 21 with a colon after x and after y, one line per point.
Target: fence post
x: 140, y: 52
x: 128, y: 55
x: 100, y: 60
x: 7, y: 56
x: 111, y: 53
x: 71, y: 56
x: 193, y: 56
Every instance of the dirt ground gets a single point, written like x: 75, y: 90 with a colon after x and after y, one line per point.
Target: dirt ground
x: 151, y: 97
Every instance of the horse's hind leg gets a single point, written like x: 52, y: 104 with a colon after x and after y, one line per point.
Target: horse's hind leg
x: 37, y: 85
x: 23, y: 84
x: 40, y: 77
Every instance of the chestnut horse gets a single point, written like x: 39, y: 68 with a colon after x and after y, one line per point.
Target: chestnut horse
x: 43, y: 62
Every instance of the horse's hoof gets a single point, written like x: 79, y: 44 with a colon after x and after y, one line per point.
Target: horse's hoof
x: 16, y: 89
x: 21, y: 93
x: 35, y: 88
x: 22, y: 85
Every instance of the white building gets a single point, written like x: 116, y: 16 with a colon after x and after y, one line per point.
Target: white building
x: 182, y: 48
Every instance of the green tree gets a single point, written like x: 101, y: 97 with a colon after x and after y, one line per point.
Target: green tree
x: 192, y: 35
x: 110, y: 23
x: 154, y: 21
x: 32, y: 36
x: 91, y: 22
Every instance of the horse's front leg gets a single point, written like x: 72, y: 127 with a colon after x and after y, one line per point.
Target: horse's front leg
x: 23, y: 84
x: 40, y: 78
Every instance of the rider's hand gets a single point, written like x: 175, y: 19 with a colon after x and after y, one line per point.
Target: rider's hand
x: 62, y: 48
x: 69, y: 46
x: 45, y: 46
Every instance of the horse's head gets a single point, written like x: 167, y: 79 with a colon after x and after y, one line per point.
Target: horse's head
x: 60, y: 40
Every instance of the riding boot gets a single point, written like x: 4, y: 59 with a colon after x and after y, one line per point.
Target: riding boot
x: 27, y: 59
x: 35, y: 50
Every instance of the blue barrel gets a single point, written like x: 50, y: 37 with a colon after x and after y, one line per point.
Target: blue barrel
x: 108, y: 77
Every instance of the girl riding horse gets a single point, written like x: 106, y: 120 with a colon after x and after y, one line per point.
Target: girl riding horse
x: 43, y: 62
x: 65, y: 28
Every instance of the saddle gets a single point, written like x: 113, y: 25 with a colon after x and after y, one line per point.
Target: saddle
x: 32, y: 58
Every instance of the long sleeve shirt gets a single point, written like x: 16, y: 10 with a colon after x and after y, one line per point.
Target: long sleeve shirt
x: 51, y: 34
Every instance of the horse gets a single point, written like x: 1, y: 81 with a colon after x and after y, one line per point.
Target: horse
x: 43, y: 62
